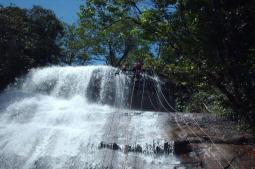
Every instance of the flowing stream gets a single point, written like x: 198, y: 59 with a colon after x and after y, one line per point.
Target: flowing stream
x: 79, y: 117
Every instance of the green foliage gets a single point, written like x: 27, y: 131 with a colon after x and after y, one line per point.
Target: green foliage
x: 202, y: 45
x: 74, y: 48
x: 208, y: 102
x: 210, y: 43
x: 27, y: 39
x: 109, y: 33
x: 223, y: 39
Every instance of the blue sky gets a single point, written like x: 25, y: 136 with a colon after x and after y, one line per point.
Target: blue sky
x: 66, y: 10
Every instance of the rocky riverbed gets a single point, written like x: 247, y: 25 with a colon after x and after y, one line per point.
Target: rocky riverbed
x: 211, y: 142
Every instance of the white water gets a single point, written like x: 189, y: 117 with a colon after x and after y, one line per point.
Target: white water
x: 56, y: 117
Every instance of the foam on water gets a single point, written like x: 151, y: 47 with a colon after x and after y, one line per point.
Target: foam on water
x: 56, y: 117
x: 51, y: 114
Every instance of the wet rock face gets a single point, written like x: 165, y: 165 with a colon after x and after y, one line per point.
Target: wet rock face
x: 219, y: 145
x: 93, y: 90
x: 112, y: 146
x: 182, y: 147
x: 146, y: 93
x: 153, y: 95
x: 166, y: 148
x: 101, y: 94
x: 135, y: 148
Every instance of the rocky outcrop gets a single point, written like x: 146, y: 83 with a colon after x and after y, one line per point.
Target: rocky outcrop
x: 148, y: 92
x: 154, y: 95
x: 165, y: 148
x: 211, y: 142
x: 182, y: 147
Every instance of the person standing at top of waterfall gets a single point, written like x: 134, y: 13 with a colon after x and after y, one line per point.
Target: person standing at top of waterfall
x: 124, y: 67
x: 137, y: 69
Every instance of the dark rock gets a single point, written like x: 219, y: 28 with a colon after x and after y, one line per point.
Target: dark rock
x: 93, y: 90
x: 182, y: 147
x: 101, y: 145
x: 112, y: 146
x: 147, y: 96
x: 167, y: 148
x: 115, y: 146
x: 138, y: 148
x: 129, y: 148
x: 148, y: 93
x: 158, y: 150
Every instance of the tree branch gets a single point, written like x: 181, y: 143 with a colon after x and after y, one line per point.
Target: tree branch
x: 111, y: 24
x: 157, y: 33
x: 136, y: 7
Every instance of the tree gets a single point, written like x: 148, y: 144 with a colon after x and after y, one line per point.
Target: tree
x: 27, y: 39
x: 73, y: 49
x: 211, y: 43
x: 203, y: 44
x: 223, y: 49
x: 108, y: 32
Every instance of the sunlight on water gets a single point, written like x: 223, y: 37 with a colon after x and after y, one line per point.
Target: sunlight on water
x: 57, y: 117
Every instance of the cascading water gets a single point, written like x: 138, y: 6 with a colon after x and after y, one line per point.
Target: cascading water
x: 93, y: 83
x: 55, y: 117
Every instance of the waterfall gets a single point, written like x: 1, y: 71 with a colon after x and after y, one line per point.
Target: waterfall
x: 56, y: 110
x: 55, y: 117
x: 93, y: 83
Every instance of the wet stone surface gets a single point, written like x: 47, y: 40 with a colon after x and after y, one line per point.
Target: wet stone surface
x: 215, y: 142
x: 166, y: 148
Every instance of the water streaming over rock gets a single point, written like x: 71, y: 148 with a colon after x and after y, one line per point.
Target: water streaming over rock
x: 96, y: 84
x: 56, y: 117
